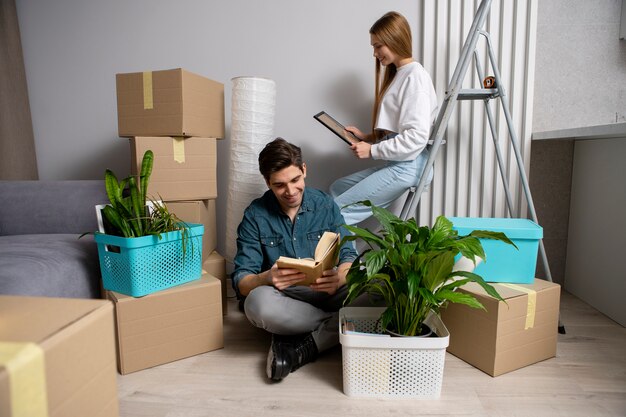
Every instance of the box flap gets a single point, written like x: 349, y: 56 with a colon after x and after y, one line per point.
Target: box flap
x: 35, y: 319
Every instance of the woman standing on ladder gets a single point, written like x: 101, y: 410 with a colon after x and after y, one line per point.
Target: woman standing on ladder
x: 405, y: 108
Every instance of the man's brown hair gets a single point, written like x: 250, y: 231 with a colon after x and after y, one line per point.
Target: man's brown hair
x: 277, y: 155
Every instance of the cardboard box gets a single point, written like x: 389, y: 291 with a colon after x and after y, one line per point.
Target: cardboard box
x: 169, y: 103
x: 506, y: 336
x: 57, y: 357
x: 503, y: 262
x: 168, y: 325
x: 199, y: 211
x: 184, y: 169
x: 215, y: 265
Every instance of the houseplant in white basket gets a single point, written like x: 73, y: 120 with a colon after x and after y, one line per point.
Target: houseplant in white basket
x: 412, y: 269
x: 144, y: 247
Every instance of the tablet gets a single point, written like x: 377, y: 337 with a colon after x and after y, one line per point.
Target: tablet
x: 336, y: 127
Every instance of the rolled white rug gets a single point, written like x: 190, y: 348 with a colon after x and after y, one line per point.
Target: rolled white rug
x: 252, y: 127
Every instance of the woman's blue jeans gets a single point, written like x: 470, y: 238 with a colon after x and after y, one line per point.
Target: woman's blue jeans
x: 381, y: 185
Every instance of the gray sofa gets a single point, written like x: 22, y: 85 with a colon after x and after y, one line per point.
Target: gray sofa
x: 40, y: 253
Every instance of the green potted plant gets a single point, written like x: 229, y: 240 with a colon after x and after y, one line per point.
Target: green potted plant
x: 412, y: 268
x: 130, y: 212
x: 144, y: 247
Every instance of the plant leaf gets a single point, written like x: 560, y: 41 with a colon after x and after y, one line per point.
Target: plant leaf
x: 428, y: 296
x: 485, y: 234
x: 135, y: 207
x: 470, y: 247
x: 414, y: 279
x: 386, y: 317
x: 458, y: 297
x: 374, y: 261
x: 442, y: 230
x: 438, y: 270
x: 455, y: 284
x: 384, y: 216
x: 112, y: 187
x: 117, y: 221
x: 480, y: 281
x: 364, y: 234
x: 144, y: 176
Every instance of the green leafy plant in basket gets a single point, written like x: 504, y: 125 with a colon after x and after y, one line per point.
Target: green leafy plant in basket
x: 412, y: 268
x: 130, y: 215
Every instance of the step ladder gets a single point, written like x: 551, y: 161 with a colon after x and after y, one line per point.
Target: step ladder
x: 454, y: 94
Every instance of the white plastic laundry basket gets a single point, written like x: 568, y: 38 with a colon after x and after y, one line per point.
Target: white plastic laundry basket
x: 376, y: 365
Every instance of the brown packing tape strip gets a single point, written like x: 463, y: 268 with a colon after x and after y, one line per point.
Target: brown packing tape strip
x: 178, y: 145
x: 531, y: 307
x: 25, y: 365
x: 148, y: 97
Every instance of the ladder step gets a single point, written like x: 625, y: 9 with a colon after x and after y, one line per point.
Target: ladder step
x: 478, y: 93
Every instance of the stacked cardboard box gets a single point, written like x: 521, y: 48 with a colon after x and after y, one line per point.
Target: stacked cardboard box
x: 169, y: 103
x: 168, y: 325
x: 509, y: 334
x: 57, y: 357
x: 215, y: 265
x: 179, y: 116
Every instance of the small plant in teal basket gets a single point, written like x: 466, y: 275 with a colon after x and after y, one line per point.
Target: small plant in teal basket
x: 129, y: 214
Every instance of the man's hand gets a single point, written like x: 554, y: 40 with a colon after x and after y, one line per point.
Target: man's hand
x: 282, y: 278
x: 329, y: 282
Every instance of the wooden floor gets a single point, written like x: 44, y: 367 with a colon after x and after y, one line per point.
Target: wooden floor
x: 587, y: 378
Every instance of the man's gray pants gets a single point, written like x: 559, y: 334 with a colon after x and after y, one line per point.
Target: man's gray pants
x: 297, y: 310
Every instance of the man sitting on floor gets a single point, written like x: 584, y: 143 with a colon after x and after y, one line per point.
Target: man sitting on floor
x: 288, y: 220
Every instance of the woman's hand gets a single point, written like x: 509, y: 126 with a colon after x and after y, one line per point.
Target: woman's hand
x: 329, y: 282
x: 357, y: 132
x: 362, y: 150
x: 282, y: 278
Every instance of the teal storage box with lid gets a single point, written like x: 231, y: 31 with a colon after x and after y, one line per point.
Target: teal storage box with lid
x: 503, y: 262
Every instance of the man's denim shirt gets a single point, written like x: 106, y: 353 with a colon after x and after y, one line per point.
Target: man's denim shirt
x: 266, y: 232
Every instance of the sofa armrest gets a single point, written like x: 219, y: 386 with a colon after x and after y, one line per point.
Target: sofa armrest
x: 39, y: 207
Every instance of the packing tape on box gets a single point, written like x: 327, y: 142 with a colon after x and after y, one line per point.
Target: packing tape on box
x: 532, y: 303
x: 25, y: 365
x: 178, y: 144
x: 148, y: 99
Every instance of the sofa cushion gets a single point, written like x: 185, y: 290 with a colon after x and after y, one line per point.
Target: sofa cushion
x: 52, y: 265
x: 36, y: 207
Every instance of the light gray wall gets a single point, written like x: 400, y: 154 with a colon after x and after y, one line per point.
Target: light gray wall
x: 580, y: 81
x: 318, y: 53
x: 580, y: 76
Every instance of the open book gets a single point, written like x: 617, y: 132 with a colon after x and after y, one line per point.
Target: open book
x: 326, y: 255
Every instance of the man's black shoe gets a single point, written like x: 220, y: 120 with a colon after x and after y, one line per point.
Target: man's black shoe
x: 289, y: 353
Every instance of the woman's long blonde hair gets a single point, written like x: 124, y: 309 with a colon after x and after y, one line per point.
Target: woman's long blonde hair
x: 393, y: 30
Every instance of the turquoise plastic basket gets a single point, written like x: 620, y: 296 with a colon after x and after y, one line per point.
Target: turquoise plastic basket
x: 140, y: 266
